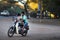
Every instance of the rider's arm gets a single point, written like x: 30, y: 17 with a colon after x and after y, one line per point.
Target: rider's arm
x: 24, y: 17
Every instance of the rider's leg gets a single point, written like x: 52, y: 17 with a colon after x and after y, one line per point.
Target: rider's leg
x: 21, y: 27
x: 26, y: 26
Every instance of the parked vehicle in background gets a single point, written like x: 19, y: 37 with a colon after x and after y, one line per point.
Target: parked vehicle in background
x: 5, y: 13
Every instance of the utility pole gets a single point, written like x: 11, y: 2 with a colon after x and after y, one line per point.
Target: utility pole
x: 27, y: 14
x: 40, y: 8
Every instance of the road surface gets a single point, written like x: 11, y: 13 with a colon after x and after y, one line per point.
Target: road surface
x: 36, y: 32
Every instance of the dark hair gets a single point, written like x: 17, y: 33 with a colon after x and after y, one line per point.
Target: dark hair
x: 23, y: 13
x: 18, y: 14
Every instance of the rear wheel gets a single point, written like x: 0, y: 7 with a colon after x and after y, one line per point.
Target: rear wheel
x: 10, y: 32
x: 25, y: 33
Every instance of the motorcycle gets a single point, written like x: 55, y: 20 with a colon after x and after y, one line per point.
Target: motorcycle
x: 15, y: 29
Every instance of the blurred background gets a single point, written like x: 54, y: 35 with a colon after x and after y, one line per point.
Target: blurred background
x: 33, y: 8
x: 43, y: 18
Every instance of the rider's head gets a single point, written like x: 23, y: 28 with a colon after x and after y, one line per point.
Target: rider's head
x: 23, y: 13
x: 19, y: 14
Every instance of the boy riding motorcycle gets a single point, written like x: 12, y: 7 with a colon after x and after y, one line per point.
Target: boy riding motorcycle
x: 23, y: 22
x: 20, y: 22
x: 24, y: 17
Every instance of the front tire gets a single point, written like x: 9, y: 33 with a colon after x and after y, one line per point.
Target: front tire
x: 10, y: 32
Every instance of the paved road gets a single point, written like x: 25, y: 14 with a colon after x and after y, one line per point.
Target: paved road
x: 46, y: 21
x: 36, y: 32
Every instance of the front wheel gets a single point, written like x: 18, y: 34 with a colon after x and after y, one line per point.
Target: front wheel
x: 10, y: 32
